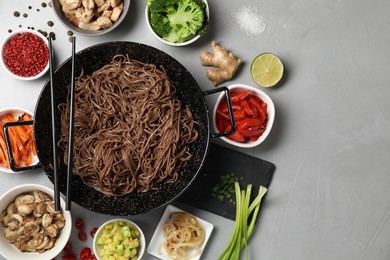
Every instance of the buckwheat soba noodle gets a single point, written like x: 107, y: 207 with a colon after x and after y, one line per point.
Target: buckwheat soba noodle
x: 130, y: 131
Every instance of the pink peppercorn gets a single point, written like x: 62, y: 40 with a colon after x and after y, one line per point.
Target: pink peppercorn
x: 26, y: 54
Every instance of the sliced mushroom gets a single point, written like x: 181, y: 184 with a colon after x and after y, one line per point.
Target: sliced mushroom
x: 59, y: 220
x: 43, y: 196
x: 47, y: 219
x: 6, y: 220
x: 11, y: 209
x: 24, y: 209
x: 51, y: 243
x: 43, y: 244
x: 27, y: 199
x: 11, y: 235
x: 17, y: 200
x: 51, y: 230
x: 14, y: 221
x: 30, y: 228
x: 39, y: 209
x: 50, y: 207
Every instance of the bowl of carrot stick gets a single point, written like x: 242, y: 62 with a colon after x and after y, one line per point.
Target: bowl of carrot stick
x: 20, y: 140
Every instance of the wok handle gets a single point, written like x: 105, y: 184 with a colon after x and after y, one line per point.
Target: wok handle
x: 9, y: 148
x: 230, y: 110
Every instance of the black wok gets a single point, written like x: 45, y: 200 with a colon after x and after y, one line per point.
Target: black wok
x: 188, y: 92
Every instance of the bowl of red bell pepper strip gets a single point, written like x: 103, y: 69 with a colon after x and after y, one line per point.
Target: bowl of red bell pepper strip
x: 254, y: 114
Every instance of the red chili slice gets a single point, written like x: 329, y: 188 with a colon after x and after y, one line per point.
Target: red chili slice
x: 92, y: 257
x: 79, y: 224
x: 82, y: 236
x: 93, y: 232
x: 69, y: 257
x: 85, y: 253
x: 68, y: 248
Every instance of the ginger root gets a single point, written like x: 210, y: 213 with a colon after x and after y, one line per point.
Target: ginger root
x: 222, y: 59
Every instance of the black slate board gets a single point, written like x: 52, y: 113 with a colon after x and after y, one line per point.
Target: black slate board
x: 221, y: 161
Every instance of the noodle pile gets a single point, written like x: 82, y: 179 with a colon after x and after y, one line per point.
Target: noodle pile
x: 130, y: 131
x: 183, y: 235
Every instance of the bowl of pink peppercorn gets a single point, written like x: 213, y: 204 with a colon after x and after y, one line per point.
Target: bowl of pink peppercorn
x: 25, y: 54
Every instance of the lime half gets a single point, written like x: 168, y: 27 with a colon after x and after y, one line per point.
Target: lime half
x: 267, y: 70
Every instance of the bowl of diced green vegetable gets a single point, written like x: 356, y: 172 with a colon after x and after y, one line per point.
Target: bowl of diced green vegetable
x: 119, y: 239
x: 177, y: 22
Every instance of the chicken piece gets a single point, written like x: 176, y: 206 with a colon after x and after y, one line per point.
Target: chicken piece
x: 99, y: 3
x: 116, y: 12
x: 84, y: 15
x: 104, y: 7
x: 104, y: 22
x: 88, y: 4
x: 70, y: 4
x: 107, y: 13
x: 115, y: 3
x: 93, y: 26
x: 72, y: 17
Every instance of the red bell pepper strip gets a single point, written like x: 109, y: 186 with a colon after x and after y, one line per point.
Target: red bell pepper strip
x: 237, y: 97
x: 249, y: 132
x: 244, y: 104
x: 249, y: 122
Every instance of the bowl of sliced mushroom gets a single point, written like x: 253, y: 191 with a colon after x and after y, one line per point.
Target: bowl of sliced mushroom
x: 30, y: 226
x: 91, y: 17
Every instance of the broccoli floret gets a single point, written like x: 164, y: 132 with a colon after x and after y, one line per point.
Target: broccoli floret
x: 177, y: 20
x: 187, y: 20
x: 160, y: 24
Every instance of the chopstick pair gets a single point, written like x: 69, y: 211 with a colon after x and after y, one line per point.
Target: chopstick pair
x: 54, y: 131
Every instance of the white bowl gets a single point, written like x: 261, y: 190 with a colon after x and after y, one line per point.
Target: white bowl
x: 173, y: 43
x: 96, y: 247
x: 158, y: 236
x: 2, y: 53
x: 270, y: 114
x: 16, y: 112
x: 8, y: 250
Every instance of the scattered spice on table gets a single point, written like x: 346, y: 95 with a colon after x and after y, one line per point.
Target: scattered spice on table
x: 250, y: 21
x: 50, y: 23
x: 25, y: 15
x: 16, y: 14
x: 43, y: 4
x: 26, y: 54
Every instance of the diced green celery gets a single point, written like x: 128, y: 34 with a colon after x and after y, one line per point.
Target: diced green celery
x: 120, y: 250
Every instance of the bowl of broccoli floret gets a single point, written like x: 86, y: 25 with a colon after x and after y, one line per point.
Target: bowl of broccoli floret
x: 177, y: 22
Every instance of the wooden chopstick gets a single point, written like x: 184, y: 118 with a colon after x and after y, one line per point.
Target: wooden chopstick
x: 54, y: 132
x: 71, y: 131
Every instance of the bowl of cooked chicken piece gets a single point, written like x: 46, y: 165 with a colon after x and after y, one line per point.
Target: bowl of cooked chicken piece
x: 91, y: 17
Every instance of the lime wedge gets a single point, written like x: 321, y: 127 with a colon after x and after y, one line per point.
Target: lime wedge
x: 266, y: 70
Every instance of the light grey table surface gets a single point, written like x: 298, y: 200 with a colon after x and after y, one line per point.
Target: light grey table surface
x: 330, y: 195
